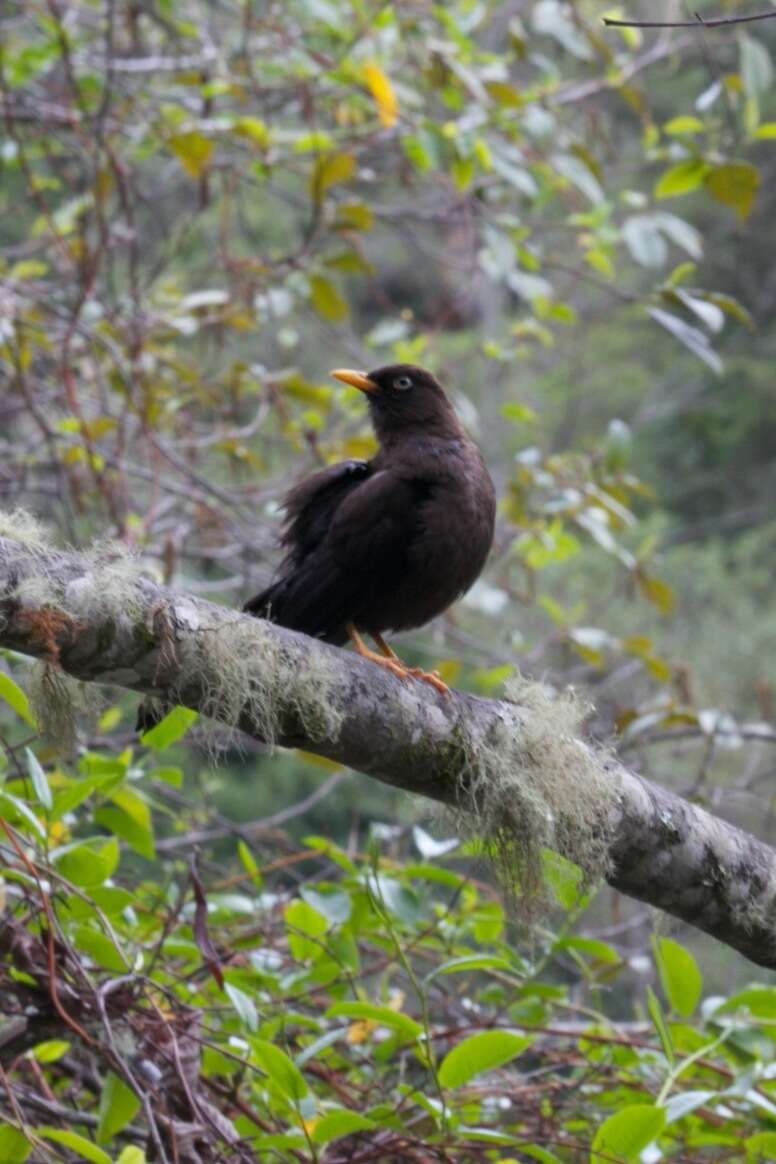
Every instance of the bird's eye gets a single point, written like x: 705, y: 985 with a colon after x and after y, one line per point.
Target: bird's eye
x: 403, y: 383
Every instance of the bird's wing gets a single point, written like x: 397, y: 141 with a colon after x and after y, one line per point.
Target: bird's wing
x: 344, y: 557
x: 373, y: 527
x: 310, y: 506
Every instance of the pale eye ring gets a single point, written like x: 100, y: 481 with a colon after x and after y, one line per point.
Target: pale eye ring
x: 402, y: 383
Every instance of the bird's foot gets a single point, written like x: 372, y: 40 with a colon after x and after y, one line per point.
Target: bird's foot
x: 403, y: 672
x: 390, y: 661
x: 433, y: 678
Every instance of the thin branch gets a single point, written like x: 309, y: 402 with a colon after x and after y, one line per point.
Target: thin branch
x: 714, y: 22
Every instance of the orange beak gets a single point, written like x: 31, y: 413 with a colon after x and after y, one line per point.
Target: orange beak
x: 358, y: 380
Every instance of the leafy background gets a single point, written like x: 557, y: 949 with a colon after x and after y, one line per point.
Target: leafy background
x: 204, y: 207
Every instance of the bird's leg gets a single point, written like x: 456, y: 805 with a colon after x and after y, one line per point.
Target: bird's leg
x: 432, y: 677
x: 384, y: 649
x: 390, y: 661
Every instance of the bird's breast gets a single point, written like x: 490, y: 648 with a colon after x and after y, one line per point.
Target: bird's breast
x: 452, y: 532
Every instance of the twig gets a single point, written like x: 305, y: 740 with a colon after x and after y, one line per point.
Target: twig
x: 714, y: 22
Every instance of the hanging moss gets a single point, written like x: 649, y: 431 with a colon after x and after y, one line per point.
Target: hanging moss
x: 530, y: 784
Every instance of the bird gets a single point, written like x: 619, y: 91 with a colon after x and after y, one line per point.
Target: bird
x: 387, y: 544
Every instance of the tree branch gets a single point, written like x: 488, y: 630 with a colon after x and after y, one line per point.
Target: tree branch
x: 698, y: 22
x: 100, y: 622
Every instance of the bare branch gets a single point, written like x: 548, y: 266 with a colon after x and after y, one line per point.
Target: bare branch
x: 698, y: 22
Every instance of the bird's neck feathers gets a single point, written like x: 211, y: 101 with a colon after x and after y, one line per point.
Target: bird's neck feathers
x: 394, y: 428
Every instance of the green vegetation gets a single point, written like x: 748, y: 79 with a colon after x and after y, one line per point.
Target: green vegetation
x: 204, y: 207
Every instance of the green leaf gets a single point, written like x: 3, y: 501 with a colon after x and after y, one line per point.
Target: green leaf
x: 644, y: 240
x: 595, y: 949
x: 756, y: 66
x: 335, y: 906
x: 15, y: 811
x: 244, y: 1005
x: 693, y: 338
x: 734, y: 184
x: 87, y: 863
x: 78, y: 1144
x: 122, y: 825
x: 484, y: 1051
x: 248, y: 862
x: 580, y: 174
x: 682, y: 178
x: 534, y: 1152
x: 760, y: 1001
x: 76, y: 791
x: 193, y: 150
x: 39, y: 780
x: 468, y: 962
x: 709, y: 313
x: 383, y: 1016
x: 766, y: 131
x: 28, y: 269
x: 13, y: 695
x: 14, y: 1146
x: 132, y: 1155
x: 254, y: 129
x: 563, y: 877
x: 305, y: 926
x: 503, y: 94
x: 173, y: 776
x: 340, y: 1122
x: 626, y: 1133
x: 170, y: 729
x: 283, y: 1072
x: 118, y: 1106
x: 99, y: 947
x: 658, y: 1018
x: 327, y: 300
x: 683, y: 124
x: 354, y: 216
x: 49, y: 1051
x: 730, y: 306
x: 130, y: 819
x: 679, y: 975
x: 760, y: 1148
x: 684, y: 1102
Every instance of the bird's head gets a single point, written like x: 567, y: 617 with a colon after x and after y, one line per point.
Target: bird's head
x: 403, y: 397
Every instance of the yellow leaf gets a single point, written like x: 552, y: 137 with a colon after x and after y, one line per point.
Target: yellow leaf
x: 327, y: 300
x: 658, y: 592
x: 361, y: 447
x: 382, y: 91
x: 358, y: 1032
x: 735, y: 184
x: 449, y: 670
x: 329, y: 171
x: 319, y: 761
x: 354, y: 216
x: 192, y: 150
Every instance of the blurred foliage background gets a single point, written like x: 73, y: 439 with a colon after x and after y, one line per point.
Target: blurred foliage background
x: 205, y: 205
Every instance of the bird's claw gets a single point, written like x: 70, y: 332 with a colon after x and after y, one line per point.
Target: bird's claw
x: 433, y: 678
x: 397, y: 668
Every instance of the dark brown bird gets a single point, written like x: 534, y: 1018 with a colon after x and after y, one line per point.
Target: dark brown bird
x: 386, y: 544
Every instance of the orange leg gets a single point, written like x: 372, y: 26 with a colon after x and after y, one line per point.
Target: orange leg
x: 391, y: 661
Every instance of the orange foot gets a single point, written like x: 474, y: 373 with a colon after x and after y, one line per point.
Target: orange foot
x: 390, y: 661
x: 431, y: 677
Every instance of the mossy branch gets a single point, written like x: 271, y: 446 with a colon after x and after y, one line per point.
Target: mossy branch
x: 515, y: 773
